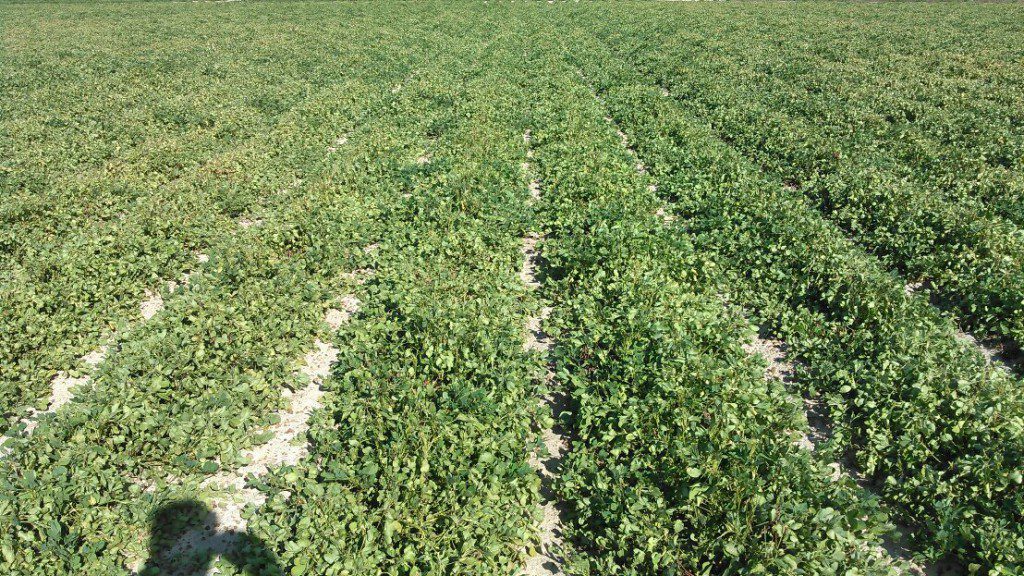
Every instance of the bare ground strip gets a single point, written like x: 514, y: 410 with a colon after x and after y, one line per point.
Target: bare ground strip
x: 547, y: 559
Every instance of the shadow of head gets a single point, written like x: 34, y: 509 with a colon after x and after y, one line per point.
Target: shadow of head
x: 185, y: 540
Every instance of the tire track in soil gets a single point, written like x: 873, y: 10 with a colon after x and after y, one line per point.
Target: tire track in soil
x: 547, y: 560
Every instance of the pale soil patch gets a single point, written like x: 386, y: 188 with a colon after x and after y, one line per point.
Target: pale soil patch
x: 371, y: 248
x: 774, y: 352
x: 282, y: 449
x: 335, y: 317
x: 1001, y: 355
x: 896, y: 548
x: 424, y: 159
x: 623, y: 139
x: 359, y: 276
x: 250, y: 222
x: 665, y: 216
x: 990, y: 353
x: 96, y: 357
x: 63, y: 384
x: 1004, y: 355
x: 61, y: 391
x: 341, y: 141
x: 893, y: 549
x: 186, y: 278
x: 534, y: 190
x: 529, y: 268
x: 151, y: 304
x: 780, y: 368
x: 912, y: 288
x: 547, y: 558
x: 60, y: 394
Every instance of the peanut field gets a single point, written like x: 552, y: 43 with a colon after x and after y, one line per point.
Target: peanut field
x: 511, y: 288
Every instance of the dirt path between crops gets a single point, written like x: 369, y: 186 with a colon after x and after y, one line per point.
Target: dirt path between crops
x: 1005, y: 354
x: 547, y: 559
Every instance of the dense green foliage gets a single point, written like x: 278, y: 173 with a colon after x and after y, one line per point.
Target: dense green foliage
x: 418, y: 463
x: 816, y: 158
x: 862, y: 162
x: 940, y: 433
x: 684, y: 456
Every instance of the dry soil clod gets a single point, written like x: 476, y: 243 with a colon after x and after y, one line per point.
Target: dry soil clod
x: 151, y: 304
x: 250, y: 222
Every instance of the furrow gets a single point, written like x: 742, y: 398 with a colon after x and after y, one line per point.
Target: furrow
x: 1000, y: 353
x: 547, y: 559
x: 780, y: 368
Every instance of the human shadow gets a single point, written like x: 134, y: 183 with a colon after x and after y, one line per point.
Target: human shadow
x: 184, y: 541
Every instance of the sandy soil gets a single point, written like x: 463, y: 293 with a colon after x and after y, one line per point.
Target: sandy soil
x: 250, y: 222
x: 547, y: 559
x: 151, y: 304
x: 341, y: 141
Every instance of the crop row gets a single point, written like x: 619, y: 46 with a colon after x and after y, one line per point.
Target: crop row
x: 419, y: 458
x: 972, y: 260
x: 939, y: 433
x: 683, y: 455
x: 953, y: 123
x: 182, y: 395
x: 85, y: 231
